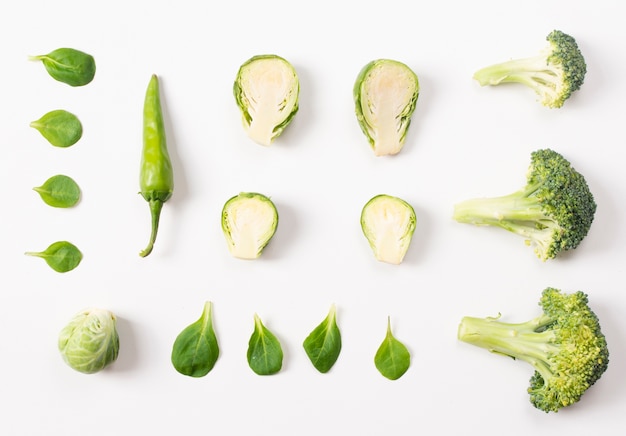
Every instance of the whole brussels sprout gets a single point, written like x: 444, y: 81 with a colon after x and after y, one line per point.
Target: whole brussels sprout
x: 90, y: 341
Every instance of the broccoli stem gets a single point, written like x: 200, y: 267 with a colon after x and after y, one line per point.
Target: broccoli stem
x: 528, y: 341
x: 533, y: 71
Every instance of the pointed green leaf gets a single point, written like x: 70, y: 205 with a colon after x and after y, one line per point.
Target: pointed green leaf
x: 60, y: 127
x: 323, y: 344
x: 61, y: 256
x: 265, y: 355
x: 196, y: 349
x: 392, y: 358
x: 59, y: 191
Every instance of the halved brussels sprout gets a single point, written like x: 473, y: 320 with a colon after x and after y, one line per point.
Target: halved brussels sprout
x: 385, y: 95
x: 90, y: 341
x: 267, y: 90
x: 249, y: 221
x: 388, y: 224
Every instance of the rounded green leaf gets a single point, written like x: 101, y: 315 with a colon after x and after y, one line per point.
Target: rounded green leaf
x: 60, y: 127
x: 90, y: 341
x: 196, y: 349
x: 265, y: 354
x: 61, y: 256
x: 392, y: 358
x: 323, y: 344
x: 59, y: 191
x: 68, y: 65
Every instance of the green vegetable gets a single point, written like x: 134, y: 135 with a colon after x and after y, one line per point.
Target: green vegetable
x: 265, y: 354
x: 385, y: 95
x: 392, y: 358
x: 323, y: 344
x: 554, y: 74
x: 60, y: 127
x: 388, y: 223
x: 553, y: 212
x: 266, y: 90
x: 156, y: 179
x: 69, y: 66
x: 59, y: 191
x: 195, y: 349
x: 90, y: 341
x: 249, y: 221
x: 564, y: 345
x: 61, y: 256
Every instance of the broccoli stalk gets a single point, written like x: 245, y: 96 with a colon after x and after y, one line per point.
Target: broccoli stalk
x: 554, y: 74
x: 565, y: 346
x: 553, y: 211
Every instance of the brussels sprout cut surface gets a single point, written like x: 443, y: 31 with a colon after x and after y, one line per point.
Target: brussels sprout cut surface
x: 249, y: 221
x: 385, y: 94
x: 388, y: 224
x: 266, y: 90
x: 90, y: 342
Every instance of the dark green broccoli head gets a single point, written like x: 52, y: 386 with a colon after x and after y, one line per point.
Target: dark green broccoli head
x: 565, y: 199
x: 580, y: 355
x: 567, y: 59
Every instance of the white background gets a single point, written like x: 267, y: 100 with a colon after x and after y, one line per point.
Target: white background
x: 465, y: 141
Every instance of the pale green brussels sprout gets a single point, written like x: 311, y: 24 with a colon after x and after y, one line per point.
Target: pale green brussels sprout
x: 388, y: 223
x: 90, y: 341
x: 266, y: 90
x: 249, y: 221
x: 385, y: 95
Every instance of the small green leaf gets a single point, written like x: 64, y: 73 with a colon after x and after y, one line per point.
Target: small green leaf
x: 61, y: 256
x: 59, y: 191
x: 195, y: 349
x: 69, y: 66
x: 265, y: 355
x: 392, y: 358
x: 323, y: 344
x: 60, y: 127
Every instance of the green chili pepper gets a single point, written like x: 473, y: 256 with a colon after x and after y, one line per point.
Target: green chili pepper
x: 156, y: 179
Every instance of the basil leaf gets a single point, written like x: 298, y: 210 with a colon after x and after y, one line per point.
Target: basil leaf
x: 392, y: 358
x: 59, y: 191
x: 61, y: 256
x: 323, y: 344
x: 60, y: 127
x: 69, y: 66
x: 265, y: 355
x: 195, y: 349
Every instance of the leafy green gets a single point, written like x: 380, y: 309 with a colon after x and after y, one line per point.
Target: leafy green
x: 265, y: 354
x: 59, y: 191
x: 61, y: 256
x: 323, y: 344
x: 392, y: 358
x: 60, y: 127
x: 196, y: 349
x: 69, y: 66
x: 90, y: 342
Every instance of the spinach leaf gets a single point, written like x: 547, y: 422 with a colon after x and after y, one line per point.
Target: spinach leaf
x: 323, y: 344
x: 265, y: 355
x: 60, y: 127
x: 59, y: 191
x: 69, y: 66
x: 392, y: 358
x: 61, y: 256
x: 196, y: 349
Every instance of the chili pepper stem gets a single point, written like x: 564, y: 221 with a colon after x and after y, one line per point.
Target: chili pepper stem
x: 155, y: 212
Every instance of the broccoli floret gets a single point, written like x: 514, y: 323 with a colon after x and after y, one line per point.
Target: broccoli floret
x: 554, y: 74
x: 565, y: 346
x: 553, y: 212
